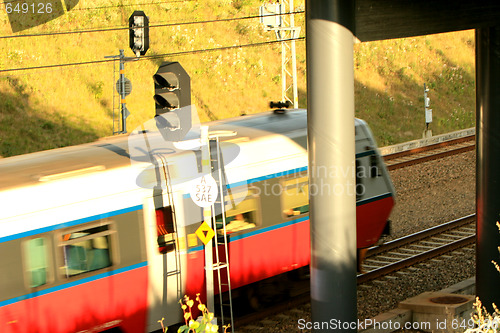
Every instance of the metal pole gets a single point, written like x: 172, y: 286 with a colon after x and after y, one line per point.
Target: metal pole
x: 207, y: 216
x: 293, y: 35
x: 488, y: 164
x: 331, y: 148
x: 283, y: 65
x: 122, y: 91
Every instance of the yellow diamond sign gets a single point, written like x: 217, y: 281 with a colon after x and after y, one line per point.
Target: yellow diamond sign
x: 205, y: 233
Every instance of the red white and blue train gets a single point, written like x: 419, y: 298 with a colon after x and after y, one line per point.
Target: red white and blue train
x: 101, y: 236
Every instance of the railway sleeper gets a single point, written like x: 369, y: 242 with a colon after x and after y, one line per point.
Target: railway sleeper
x: 426, y: 247
x: 434, y: 243
x: 464, y: 232
x: 380, y: 261
x: 404, y: 255
x: 390, y: 259
x: 380, y: 281
x: 455, y: 233
x: 447, y: 238
x: 436, y: 260
x: 446, y: 256
x: 412, y: 268
x: 412, y: 251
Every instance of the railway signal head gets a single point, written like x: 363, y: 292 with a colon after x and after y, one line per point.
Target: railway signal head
x: 172, y: 100
x: 172, y: 88
x: 139, y: 32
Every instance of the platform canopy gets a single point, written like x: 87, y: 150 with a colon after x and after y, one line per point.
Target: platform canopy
x: 386, y: 19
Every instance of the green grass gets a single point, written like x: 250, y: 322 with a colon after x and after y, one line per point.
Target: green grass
x: 48, y: 108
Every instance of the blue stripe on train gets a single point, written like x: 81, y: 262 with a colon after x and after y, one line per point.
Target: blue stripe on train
x: 70, y: 223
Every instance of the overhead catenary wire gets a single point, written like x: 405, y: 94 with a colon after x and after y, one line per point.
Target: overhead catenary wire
x: 134, y: 4
x: 150, y: 26
x: 179, y: 53
x: 114, y: 6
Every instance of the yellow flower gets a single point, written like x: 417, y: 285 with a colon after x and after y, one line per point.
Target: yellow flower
x: 190, y: 303
x: 201, y: 307
x: 193, y: 324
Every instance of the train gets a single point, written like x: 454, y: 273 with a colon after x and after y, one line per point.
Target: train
x: 105, y: 236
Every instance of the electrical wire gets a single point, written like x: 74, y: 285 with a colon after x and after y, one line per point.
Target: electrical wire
x: 151, y: 26
x: 115, y: 6
x: 134, y: 4
x: 180, y: 53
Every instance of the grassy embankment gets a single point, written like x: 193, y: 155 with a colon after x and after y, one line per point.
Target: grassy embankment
x: 54, y: 107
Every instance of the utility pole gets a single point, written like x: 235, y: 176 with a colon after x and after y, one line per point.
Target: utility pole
x: 123, y: 88
x: 279, y: 18
x: 139, y: 43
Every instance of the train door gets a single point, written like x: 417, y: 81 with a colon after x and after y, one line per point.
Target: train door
x: 165, y: 252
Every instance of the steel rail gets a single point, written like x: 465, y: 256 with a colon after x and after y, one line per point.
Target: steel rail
x: 304, y: 296
x: 428, y: 149
x: 433, y: 231
x: 434, y: 146
x: 391, y: 268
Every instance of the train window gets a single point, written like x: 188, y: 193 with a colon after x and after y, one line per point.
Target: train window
x: 86, y: 250
x: 374, y: 169
x: 295, y: 196
x: 241, y: 211
x: 165, y: 229
x: 36, y: 261
x: 359, y: 177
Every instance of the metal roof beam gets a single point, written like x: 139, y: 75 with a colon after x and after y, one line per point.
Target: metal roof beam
x: 386, y: 19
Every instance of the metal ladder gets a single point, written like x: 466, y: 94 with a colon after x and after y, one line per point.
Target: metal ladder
x: 219, y: 176
x: 173, y: 241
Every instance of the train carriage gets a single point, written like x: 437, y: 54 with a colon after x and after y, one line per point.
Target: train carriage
x: 102, y: 236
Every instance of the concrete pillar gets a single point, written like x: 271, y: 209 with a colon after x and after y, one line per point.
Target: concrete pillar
x: 331, y: 146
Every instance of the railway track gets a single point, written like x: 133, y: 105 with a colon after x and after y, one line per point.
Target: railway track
x: 391, y: 257
x: 413, y: 249
x: 384, y: 260
x: 431, y: 152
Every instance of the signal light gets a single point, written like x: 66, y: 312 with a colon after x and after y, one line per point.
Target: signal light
x: 139, y: 32
x: 168, y: 98
x: 173, y: 100
x: 172, y: 87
